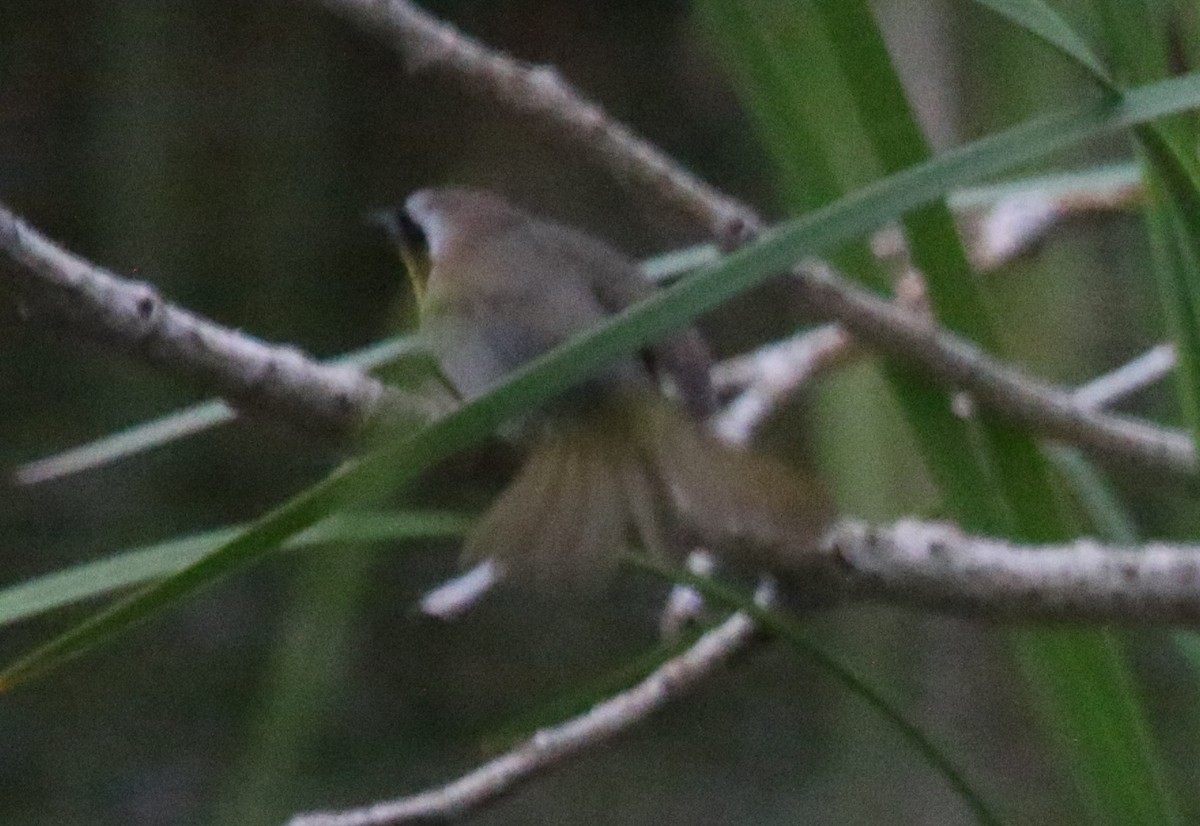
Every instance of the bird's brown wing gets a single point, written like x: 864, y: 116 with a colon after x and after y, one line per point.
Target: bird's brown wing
x: 616, y: 283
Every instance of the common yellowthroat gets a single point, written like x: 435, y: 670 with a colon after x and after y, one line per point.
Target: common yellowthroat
x: 622, y: 457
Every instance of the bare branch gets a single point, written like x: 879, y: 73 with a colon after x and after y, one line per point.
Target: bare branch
x: 772, y: 374
x: 998, y: 229
x: 928, y: 566
x: 935, y: 566
x: 431, y: 46
x: 131, y: 317
x: 551, y: 746
x: 1001, y: 388
x: 766, y: 377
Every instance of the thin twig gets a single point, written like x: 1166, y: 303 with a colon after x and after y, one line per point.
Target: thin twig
x: 772, y: 374
x: 1019, y: 221
x: 455, y: 596
x: 765, y: 378
x: 1001, y: 223
x: 549, y: 747
x: 1132, y: 377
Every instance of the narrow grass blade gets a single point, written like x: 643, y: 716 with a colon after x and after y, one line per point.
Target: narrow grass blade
x: 1045, y: 23
x: 179, y: 424
x: 140, y: 565
x: 787, y: 71
x: 869, y: 87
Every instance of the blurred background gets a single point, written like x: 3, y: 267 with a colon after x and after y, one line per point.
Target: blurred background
x: 226, y: 151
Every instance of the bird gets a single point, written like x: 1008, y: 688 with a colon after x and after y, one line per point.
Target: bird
x: 624, y: 457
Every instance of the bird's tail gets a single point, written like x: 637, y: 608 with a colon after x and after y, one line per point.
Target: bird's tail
x: 638, y: 470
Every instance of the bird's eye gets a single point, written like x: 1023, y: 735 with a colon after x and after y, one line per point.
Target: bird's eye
x: 411, y: 234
